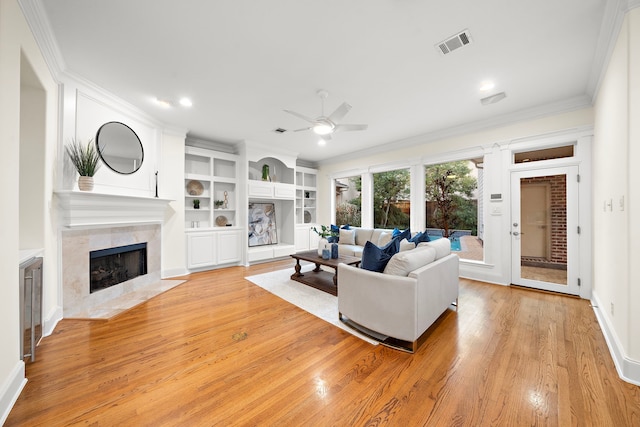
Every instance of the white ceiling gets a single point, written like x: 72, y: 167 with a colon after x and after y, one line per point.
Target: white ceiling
x: 242, y: 62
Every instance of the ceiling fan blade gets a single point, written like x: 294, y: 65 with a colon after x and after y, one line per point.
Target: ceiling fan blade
x: 300, y: 116
x: 345, y: 127
x: 300, y: 130
x: 340, y: 112
x: 326, y: 137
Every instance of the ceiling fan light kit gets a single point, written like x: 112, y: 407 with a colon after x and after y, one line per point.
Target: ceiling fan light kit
x: 323, y: 128
x: 323, y: 125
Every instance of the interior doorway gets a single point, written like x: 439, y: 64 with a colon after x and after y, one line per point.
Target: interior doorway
x: 544, y: 229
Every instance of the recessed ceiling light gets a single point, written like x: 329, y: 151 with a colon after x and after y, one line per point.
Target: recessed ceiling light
x: 486, y: 86
x: 163, y: 103
x: 493, y: 98
x: 186, y: 102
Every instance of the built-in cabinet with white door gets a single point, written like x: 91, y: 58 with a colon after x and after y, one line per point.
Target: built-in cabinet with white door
x: 271, y: 204
x: 210, y: 248
x: 213, y: 227
x: 306, y: 238
x: 306, y: 209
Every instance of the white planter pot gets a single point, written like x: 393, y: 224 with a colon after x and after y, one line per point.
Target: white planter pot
x: 85, y: 183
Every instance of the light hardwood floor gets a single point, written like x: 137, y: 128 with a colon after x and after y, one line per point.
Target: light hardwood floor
x: 218, y: 350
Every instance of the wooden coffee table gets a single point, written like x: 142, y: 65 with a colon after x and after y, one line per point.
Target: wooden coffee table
x: 318, y: 278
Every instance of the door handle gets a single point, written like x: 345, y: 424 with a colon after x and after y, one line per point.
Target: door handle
x: 515, y: 233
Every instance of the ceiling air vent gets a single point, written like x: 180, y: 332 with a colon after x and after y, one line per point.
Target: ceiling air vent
x: 279, y: 130
x: 452, y: 43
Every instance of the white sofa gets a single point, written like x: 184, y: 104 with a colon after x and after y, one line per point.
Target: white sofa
x: 397, y: 306
x: 377, y: 236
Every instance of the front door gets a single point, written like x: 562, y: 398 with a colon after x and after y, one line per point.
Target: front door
x: 544, y: 229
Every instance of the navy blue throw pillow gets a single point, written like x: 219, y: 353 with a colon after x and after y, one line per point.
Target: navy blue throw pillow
x: 406, y: 234
x: 375, y: 258
x: 420, y: 237
x: 423, y: 238
x: 416, y: 237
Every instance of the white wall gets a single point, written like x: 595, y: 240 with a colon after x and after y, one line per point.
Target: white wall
x: 171, y: 186
x: 16, y: 41
x: 32, y: 131
x: 494, y: 144
x: 617, y: 181
x: 86, y: 108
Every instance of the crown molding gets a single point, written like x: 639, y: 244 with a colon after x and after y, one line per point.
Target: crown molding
x: 38, y: 22
x: 564, y: 106
x: 612, y: 20
x: 40, y: 27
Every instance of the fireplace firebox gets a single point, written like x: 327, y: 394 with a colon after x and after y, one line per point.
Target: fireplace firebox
x: 108, y: 267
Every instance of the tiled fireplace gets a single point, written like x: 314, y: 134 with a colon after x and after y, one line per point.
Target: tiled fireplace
x: 93, y: 222
x: 76, y: 275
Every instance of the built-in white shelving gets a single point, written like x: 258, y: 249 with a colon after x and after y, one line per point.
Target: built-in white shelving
x: 277, y: 189
x: 214, y: 228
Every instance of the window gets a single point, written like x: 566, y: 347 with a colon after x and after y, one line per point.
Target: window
x: 391, y: 202
x: 454, y: 205
x: 349, y: 201
x: 544, y: 154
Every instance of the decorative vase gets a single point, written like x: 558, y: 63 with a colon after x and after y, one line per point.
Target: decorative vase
x: 265, y: 172
x: 85, y: 183
x: 334, y: 250
x: 322, y: 244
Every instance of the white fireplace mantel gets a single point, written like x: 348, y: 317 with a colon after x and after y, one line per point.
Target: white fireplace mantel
x: 82, y: 209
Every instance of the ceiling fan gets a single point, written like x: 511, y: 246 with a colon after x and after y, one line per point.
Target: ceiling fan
x: 325, y: 126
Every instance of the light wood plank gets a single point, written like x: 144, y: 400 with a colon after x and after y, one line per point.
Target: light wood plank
x: 219, y: 350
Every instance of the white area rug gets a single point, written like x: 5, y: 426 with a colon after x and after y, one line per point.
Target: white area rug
x: 311, y: 300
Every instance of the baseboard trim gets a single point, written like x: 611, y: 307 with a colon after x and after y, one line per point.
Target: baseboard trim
x: 628, y: 369
x: 11, y: 389
x: 175, y: 272
x: 51, y: 321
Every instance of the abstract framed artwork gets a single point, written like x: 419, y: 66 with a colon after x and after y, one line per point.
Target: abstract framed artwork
x: 262, y: 224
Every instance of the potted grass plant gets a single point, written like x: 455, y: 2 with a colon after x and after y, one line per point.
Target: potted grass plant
x: 86, y: 161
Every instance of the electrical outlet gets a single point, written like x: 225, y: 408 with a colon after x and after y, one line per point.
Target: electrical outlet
x: 612, y: 309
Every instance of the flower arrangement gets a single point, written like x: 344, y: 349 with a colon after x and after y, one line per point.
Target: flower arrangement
x: 326, y: 231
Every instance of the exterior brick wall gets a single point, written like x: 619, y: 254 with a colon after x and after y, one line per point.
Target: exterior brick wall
x: 558, y: 185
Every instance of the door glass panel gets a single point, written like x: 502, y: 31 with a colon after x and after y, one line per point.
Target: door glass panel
x: 543, y: 242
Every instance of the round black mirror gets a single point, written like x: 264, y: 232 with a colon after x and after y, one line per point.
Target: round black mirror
x: 119, y: 147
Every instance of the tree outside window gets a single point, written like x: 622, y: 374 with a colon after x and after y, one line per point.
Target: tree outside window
x: 349, y: 201
x: 452, y: 204
x: 391, y: 199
